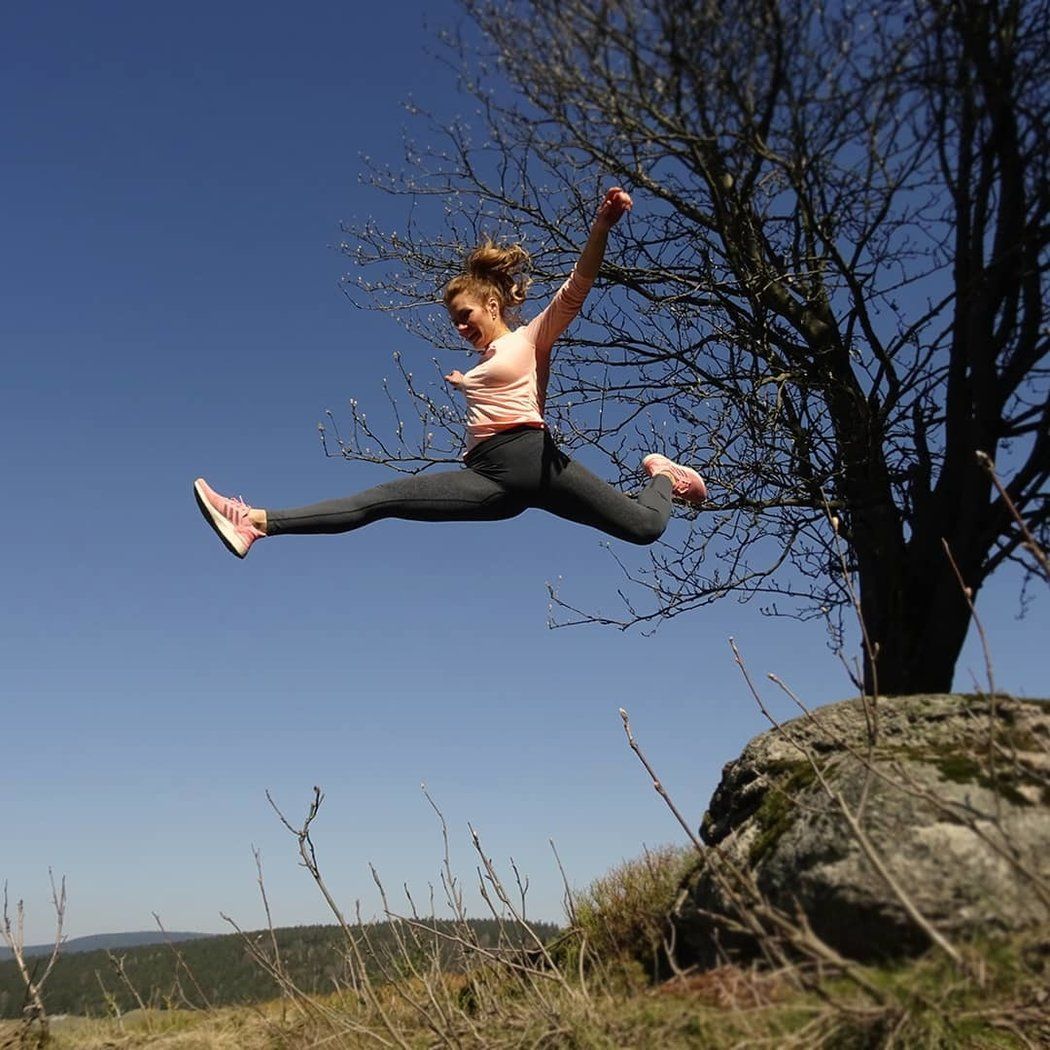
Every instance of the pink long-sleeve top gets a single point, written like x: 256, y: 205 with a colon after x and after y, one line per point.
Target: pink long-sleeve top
x: 508, y: 387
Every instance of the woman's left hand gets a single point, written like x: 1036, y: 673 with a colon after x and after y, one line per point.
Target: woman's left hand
x: 616, y: 204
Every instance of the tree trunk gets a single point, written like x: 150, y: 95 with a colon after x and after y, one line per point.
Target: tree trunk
x: 922, y: 628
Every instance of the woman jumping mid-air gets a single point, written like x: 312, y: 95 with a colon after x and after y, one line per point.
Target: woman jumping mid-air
x: 511, y: 462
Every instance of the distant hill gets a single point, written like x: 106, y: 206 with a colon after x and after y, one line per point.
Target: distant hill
x: 218, y: 970
x: 106, y: 942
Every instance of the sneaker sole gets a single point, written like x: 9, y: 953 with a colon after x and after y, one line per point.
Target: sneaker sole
x: 223, y: 529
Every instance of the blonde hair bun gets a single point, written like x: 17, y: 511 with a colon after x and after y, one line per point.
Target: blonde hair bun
x: 494, y: 270
x: 504, y: 266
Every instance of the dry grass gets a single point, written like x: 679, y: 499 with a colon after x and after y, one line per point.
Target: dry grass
x: 163, y: 1029
x: 928, y: 1008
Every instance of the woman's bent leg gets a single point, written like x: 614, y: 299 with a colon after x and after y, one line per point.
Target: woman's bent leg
x: 571, y: 491
x: 451, y: 495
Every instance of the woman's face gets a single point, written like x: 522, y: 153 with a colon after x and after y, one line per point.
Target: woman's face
x: 477, y: 322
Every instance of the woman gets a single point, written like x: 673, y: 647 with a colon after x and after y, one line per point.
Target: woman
x: 511, y: 463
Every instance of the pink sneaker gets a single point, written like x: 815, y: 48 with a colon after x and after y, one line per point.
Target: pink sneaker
x: 228, y: 517
x: 686, y: 484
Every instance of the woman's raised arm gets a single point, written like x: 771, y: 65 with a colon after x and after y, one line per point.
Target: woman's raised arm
x: 548, y: 325
x: 616, y: 204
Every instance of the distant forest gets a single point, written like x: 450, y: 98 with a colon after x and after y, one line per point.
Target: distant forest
x: 220, y: 971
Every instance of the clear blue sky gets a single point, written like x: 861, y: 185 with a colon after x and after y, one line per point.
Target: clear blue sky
x: 173, y: 178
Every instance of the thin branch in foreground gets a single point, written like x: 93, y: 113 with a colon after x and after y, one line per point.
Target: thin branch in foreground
x: 33, y: 1013
x: 1030, y: 543
x: 180, y: 962
x: 658, y: 784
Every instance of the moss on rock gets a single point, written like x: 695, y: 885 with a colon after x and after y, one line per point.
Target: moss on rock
x: 779, y: 809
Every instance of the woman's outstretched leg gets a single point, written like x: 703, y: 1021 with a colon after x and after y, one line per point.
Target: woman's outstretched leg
x: 450, y: 495
x: 455, y: 495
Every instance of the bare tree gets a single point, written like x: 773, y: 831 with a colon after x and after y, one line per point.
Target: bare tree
x: 36, y: 1027
x: 832, y: 294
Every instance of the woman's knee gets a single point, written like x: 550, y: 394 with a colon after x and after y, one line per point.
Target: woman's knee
x: 647, y: 533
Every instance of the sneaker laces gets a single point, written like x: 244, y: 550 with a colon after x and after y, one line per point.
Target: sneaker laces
x: 239, y: 508
x: 680, y: 480
x: 247, y: 508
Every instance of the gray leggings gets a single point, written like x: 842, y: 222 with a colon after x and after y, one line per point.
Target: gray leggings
x: 502, y: 477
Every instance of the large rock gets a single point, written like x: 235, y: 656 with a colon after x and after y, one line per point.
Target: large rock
x: 956, y: 803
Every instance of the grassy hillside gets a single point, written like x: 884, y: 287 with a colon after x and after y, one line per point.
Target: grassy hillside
x: 216, y: 971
